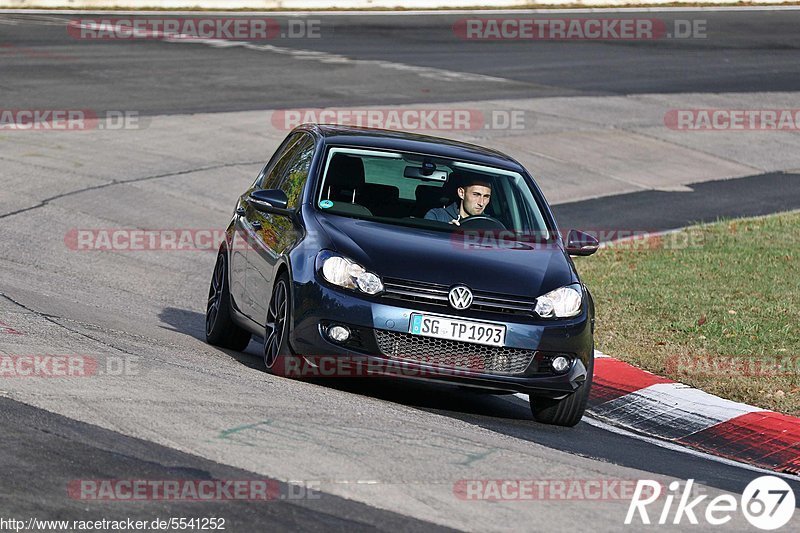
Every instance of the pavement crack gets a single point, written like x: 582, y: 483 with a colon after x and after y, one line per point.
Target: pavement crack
x: 52, y: 319
x: 112, y: 183
x: 59, y: 322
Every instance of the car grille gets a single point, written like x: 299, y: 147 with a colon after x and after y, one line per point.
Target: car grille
x: 435, y: 294
x: 455, y: 354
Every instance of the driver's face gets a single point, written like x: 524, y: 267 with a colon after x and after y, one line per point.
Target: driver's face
x: 474, y: 199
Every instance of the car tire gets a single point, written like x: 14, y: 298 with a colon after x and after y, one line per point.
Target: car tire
x: 276, y: 334
x: 220, y: 329
x: 566, y: 411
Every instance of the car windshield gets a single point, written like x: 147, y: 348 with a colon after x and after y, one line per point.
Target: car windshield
x: 419, y: 190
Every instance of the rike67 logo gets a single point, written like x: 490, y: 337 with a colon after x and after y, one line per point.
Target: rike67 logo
x: 767, y: 503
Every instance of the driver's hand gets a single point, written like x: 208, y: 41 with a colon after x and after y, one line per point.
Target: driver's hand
x: 455, y: 221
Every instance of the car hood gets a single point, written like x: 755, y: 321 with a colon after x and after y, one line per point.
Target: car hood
x: 442, y: 258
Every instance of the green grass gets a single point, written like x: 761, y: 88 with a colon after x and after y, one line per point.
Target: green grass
x: 715, y: 306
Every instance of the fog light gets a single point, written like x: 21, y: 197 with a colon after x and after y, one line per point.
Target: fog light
x: 338, y: 333
x: 560, y: 364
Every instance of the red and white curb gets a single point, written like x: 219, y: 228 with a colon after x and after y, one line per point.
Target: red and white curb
x: 625, y: 396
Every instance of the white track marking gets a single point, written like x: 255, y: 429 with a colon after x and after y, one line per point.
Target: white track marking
x: 671, y: 445
x: 678, y: 448
x: 671, y: 410
x: 307, y: 55
x: 33, y: 20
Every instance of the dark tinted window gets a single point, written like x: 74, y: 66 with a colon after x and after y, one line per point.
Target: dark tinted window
x: 392, y: 187
x: 272, y: 175
x: 290, y: 171
x: 295, y: 170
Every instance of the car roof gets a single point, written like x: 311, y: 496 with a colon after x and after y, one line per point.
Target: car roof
x: 341, y: 135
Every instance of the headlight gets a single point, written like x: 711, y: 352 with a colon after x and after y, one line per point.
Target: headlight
x: 563, y: 302
x: 345, y: 273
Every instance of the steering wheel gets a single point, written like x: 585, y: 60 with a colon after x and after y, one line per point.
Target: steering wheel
x: 484, y: 222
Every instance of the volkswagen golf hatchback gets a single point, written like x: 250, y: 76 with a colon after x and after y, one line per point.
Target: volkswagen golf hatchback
x: 372, y: 252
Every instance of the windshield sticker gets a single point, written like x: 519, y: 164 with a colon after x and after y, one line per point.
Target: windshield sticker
x: 325, y: 204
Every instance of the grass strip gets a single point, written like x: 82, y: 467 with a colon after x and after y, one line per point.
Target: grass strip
x: 715, y: 306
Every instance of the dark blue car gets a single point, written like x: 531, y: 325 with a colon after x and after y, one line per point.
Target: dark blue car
x: 360, y: 251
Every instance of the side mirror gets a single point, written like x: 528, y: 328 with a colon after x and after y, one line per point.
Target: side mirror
x: 270, y: 201
x: 580, y: 243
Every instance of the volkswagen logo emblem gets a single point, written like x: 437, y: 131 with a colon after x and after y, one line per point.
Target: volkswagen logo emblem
x: 460, y: 297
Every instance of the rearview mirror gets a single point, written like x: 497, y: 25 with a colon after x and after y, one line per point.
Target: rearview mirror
x: 580, y: 243
x: 422, y: 174
x: 269, y: 200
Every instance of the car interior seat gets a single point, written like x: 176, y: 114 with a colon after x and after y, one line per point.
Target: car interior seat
x: 382, y: 200
x: 428, y: 197
x: 345, y: 179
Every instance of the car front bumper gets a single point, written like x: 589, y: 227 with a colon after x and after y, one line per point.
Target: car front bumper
x: 377, y: 319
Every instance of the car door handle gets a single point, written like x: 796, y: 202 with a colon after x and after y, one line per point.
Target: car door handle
x: 256, y: 225
x: 240, y: 211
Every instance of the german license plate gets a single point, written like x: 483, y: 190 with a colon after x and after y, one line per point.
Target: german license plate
x: 443, y: 327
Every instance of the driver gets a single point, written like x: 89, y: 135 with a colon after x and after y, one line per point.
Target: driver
x: 474, y: 194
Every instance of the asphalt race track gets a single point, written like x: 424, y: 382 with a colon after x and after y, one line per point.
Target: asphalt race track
x: 365, y: 454
x: 743, y: 52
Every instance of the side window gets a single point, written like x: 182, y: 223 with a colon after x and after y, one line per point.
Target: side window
x: 272, y: 174
x: 294, y: 172
x: 260, y: 178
